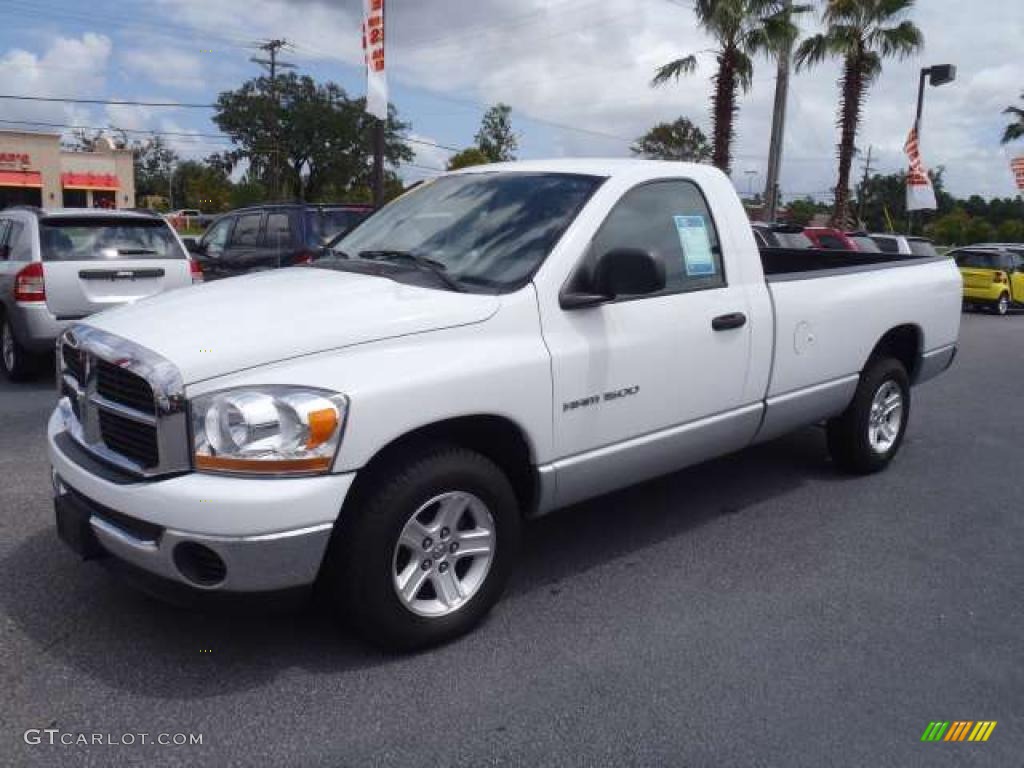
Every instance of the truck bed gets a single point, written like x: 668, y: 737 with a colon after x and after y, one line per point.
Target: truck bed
x: 803, y: 263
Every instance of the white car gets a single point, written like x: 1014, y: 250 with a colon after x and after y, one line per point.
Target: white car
x: 904, y: 245
x: 494, y: 345
x: 57, y: 267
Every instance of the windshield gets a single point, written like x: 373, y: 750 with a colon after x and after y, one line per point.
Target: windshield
x: 326, y: 224
x: 487, y: 231
x: 886, y: 244
x: 793, y: 240
x: 865, y: 244
x: 98, y: 238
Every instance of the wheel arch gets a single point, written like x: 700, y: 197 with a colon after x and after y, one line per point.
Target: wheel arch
x: 499, y: 438
x: 904, y: 343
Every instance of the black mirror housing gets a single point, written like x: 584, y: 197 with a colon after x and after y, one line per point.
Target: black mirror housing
x: 190, y: 243
x: 628, y: 272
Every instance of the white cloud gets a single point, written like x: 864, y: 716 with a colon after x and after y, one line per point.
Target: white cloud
x: 68, y: 66
x: 588, y: 64
x: 166, y: 66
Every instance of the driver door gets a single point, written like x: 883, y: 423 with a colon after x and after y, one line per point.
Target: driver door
x: 643, y: 385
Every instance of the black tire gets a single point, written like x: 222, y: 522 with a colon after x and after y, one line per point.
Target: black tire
x: 17, y: 363
x: 849, y: 440
x: 360, y: 562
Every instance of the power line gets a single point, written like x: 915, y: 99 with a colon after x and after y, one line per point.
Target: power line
x: 116, y: 129
x: 110, y: 102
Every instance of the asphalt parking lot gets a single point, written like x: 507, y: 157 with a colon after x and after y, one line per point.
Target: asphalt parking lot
x: 760, y: 610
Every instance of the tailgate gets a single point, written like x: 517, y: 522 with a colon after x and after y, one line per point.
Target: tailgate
x: 76, y: 289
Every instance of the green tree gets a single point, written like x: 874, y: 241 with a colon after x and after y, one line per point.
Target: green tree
x: 950, y: 229
x: 202, y: 186
x: 741, y: 30
x: 862, y: 33
x: 310, y: 136
x: 980, y: 231
x: 467, y: 158
x: 678, y: 140
x: 496, y: 138
x: 1015, y: 130
x: 1011, y: 231
x: 885, y: 199
x: 153, y: 162
x: 801, y: 212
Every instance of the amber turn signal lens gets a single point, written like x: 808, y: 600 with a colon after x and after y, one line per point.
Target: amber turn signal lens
x: 321, y: 426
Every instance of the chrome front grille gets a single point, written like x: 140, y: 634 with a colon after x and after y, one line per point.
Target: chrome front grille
x: 123, y: 403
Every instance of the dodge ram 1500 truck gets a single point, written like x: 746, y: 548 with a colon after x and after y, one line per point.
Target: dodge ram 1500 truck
x: 493, y: 345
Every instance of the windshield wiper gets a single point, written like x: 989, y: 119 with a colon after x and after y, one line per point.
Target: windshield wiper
x: 436, y: 268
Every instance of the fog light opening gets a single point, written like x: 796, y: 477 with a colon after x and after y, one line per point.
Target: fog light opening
x: 199, y: 565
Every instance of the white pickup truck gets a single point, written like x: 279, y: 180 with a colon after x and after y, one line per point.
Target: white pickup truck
x: 495, y: 344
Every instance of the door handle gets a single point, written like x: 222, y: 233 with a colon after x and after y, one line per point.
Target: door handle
x: 729, y: 322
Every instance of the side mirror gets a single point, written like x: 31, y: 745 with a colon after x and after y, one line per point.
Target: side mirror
x: 619, y: 272
x: 191, y: 244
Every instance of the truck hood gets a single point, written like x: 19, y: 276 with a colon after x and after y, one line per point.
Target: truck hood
x: 226, y: 326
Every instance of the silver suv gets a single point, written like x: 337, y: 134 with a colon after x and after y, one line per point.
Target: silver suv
x: 60, y: 266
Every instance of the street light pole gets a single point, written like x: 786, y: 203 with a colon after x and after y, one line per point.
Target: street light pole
x: 937, y: 75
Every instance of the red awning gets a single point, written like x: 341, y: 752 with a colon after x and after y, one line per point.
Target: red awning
x: 104, y: 181
x: 21, y: 179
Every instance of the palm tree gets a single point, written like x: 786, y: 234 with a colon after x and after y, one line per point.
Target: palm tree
x: 741, y: 29
x: 1014, y: 130
x: 863, y: 33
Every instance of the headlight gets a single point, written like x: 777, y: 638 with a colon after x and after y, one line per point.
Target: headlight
x: 267, y: 430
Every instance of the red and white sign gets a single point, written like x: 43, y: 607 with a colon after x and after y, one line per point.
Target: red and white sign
x: 920, y: 192
x: 1017, y: 164
x: 373, y: 48
x: 15, y: 158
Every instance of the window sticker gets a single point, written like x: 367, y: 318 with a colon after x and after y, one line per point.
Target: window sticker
x: 693, y: 237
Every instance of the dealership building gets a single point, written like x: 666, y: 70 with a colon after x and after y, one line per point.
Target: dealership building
x: 35, y: 170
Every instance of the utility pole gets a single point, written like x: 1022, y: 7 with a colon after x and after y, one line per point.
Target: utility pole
x: 771, y: 190
x: 864, y: 188
x: 271, y: 64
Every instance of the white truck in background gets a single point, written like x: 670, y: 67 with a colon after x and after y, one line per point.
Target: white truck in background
x: 495, y: 344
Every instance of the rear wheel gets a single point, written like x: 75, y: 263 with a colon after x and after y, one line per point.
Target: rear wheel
x: 868, y: 435
x: 429, y: 550
x: 17, y: 363
x: 1003, y: 305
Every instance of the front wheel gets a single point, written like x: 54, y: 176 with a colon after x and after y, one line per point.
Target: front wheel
x: 429, y: 550
x: 868, y: 435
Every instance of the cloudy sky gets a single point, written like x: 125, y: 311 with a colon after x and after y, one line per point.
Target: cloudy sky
x: 576, y: 73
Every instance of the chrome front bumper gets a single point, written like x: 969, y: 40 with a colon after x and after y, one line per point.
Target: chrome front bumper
x: 260, y: 563
x: 269, y: 534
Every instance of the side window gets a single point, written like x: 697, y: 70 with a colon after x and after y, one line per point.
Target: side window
x: 279, y: 230
x: 887, y: 244
x: 670, y: 220
x: 5, y: 227
x: 247, y: 230
x: 216, y: 238
x: 831, y: 242
x: 19, y: 239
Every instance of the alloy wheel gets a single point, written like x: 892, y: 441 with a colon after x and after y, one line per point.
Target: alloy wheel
x: 443, y: 554
x: 7, y: 343
x: 886, y: 417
